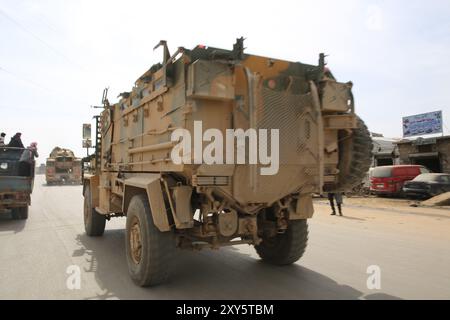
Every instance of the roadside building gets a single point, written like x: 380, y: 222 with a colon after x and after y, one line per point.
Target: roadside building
x: 385, y: 151
x: 433, y: 153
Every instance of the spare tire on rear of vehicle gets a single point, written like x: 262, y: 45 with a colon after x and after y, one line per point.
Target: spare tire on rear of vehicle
x: 355, y: 157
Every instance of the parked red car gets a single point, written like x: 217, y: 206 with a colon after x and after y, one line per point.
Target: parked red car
x: 389, y: 180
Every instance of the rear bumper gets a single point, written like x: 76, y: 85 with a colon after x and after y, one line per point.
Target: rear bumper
x: 63, y: 179
x: 11, y: 200
x: 383, y: 191
x: 12, y: 205
x: 386, y: 189
x: 417, y: 192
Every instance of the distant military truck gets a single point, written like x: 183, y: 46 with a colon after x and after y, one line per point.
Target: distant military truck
x: 245, y: 190
x: 16, y: 182
x: 62, y: 167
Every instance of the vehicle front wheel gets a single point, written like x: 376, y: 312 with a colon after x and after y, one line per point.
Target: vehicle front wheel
x: 285, y: 248
x: 94, y: 223
x: 20, y: 213
x: 149, y: 251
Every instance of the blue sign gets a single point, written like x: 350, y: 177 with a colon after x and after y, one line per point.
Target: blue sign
x: 420, y: 124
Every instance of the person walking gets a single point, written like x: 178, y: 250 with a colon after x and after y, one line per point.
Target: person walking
x: 338, y: 197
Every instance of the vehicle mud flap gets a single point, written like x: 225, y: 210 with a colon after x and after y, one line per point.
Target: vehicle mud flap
x: 151, y: 183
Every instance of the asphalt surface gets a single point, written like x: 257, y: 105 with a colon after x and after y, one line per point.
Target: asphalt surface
x: 411, y: 247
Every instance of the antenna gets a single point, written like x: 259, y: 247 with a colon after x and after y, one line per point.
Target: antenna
x: 105, y: 100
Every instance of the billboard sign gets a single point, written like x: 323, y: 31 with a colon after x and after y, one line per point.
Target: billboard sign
x: 420, y: 124
x: 87, y: 131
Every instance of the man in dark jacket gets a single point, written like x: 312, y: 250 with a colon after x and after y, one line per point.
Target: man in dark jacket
x: 16, y: 142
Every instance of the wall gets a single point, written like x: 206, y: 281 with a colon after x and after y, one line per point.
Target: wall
x: 442, y: 146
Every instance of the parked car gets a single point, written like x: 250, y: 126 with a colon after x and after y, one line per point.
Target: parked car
x: 389, y: 180
x: 427, y: 185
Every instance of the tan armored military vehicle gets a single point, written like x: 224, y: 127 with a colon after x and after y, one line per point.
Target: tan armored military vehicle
x: 216, y: 147
x: 62, y: 167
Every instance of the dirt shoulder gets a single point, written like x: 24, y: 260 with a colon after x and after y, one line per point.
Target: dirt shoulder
x: 387, y: 215
x: 391, y: 204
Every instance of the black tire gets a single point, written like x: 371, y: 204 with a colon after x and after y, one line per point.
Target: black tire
x: 285, y: 248
x: 94, y: 223
x: 20, y: 213
x: 355, y: 157
x: 150, y: 255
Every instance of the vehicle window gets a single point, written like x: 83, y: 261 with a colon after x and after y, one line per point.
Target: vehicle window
x: 424, y: 170
x: 424, y: 177
x: 381, y: 172
x: 63, y: 170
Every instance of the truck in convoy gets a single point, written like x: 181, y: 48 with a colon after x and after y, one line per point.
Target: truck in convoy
x: 16, y: 181
x: 217, y: 147
x: 62, y: 167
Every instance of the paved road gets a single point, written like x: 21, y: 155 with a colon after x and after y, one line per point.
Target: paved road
x: 412, y: 249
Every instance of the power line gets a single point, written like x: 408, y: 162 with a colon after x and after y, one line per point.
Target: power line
x: 40, y: 17
x: 50, y: 47
x: 24, y: 79
x: 36, y: 84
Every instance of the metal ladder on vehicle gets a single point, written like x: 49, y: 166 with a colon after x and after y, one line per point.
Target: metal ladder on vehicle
x: 98, y: 142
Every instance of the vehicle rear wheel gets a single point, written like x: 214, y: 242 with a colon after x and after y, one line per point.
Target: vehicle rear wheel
x: 285, y: 248
x: 20, y: 213
x: 94, y: 223
x: 149, y: 251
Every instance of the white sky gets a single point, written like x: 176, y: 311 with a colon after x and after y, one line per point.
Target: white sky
x: 57, y: 56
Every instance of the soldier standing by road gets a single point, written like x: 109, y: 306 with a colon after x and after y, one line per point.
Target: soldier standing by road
x: 338, y: 197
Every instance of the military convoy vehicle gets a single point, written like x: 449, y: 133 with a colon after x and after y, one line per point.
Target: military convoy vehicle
x: 320, y: 143
x: 16, y: 182
x: 62, y: 167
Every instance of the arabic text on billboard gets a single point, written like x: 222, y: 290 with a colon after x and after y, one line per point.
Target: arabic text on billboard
x: 426, y: 123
